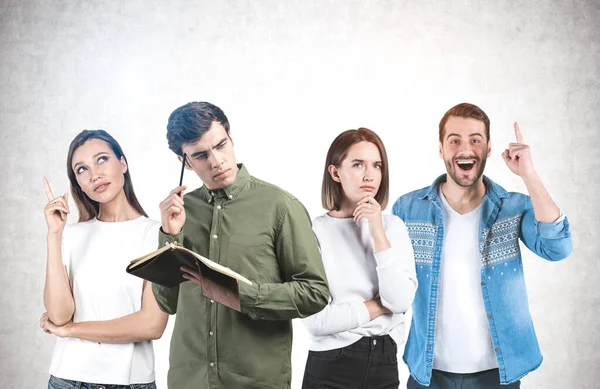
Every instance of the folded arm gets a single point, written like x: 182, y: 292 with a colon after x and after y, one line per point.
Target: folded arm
x: 146, y: 324
x: 396, y: 269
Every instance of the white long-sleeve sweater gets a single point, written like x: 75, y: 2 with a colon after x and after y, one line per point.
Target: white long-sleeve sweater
x: 356, y: 274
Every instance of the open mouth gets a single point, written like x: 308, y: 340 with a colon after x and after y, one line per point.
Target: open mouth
x: 466, y: 164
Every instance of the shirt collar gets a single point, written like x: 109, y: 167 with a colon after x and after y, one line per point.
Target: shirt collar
x: 492, y: 190
x: 231, y: 191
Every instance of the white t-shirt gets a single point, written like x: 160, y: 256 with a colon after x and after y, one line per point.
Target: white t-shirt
x: 96, y: 254
x: 462, y: 337
x: 355, y: 274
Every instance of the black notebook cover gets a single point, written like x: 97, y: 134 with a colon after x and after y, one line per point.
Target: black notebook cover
x: 164, y: 269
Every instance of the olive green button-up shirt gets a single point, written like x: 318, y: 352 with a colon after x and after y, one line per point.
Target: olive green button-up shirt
x: 265, y: 234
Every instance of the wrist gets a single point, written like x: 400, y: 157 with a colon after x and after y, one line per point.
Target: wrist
x: 71, y: 329
x: 380, y: 240
x: 376, y: 230
x: 68, y: 330
x: 168, y: 231
x: 54, y: 235
x: 530, y: 177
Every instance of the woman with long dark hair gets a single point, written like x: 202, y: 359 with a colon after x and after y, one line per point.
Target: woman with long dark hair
x: 105, y: 318
x: 370, y: 269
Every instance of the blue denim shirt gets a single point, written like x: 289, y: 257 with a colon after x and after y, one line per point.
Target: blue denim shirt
x: 505, y: 218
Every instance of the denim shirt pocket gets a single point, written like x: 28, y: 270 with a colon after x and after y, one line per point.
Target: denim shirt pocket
x: 422, y: 238
x: 500, y: 243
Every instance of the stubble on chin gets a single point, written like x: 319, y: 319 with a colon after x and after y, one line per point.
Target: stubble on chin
x: 466, y: 182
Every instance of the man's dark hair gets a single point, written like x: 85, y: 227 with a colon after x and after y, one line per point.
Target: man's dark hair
x: 465, y: 110
x: 189, y: 122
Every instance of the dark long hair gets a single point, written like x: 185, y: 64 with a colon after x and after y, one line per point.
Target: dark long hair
x: 88, y: 208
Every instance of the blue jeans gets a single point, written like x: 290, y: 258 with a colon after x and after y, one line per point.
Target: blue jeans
x: 488, y: 379
x: 59, y: 383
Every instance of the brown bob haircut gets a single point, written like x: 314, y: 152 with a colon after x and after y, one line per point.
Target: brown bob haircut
x: 465, y: 110
x: 331, y: 191
x: 88, y: 208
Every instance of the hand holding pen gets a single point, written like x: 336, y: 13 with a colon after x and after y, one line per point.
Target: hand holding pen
x: 172, y: 210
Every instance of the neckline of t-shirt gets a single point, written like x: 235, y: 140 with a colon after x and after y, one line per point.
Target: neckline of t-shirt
x: 139, y: 218
x: 454, y: 211
x: 342, y: 220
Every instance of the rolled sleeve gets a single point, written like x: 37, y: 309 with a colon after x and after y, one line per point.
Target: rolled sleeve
x: 552, y: 230
x: 551, y: 241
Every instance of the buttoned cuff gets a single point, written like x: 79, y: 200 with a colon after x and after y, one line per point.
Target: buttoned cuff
x: 164, y: 238
x: 248, y: 297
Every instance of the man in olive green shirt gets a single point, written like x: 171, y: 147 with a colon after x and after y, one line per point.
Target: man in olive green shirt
x: 254, y: 228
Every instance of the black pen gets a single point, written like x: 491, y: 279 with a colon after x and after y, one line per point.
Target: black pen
x: 182, y: 170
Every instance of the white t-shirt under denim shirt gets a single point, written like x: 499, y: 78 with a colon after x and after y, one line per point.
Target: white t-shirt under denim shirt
x: 96, y: 254
x: 462, y: 336
x: 355, y: 274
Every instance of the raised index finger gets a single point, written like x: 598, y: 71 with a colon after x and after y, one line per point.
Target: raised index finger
x: 518, y: 133
x: 49, y: 194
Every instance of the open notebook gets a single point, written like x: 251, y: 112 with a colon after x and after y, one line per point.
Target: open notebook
x: 162, y: 267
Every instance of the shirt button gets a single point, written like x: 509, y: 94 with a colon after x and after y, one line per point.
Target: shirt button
x: 218, y: 207
x: 482, y: 282
x: 215, y: 236
x: 489, y: 316
x: 211, y: 333
x: 212, y: 364
x: 230, y: 196
x: 212, y: 301
x: 497, y: 349
x: 374, y: 342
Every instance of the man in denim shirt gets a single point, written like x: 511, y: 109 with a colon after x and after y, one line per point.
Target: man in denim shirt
x: 471, y: 325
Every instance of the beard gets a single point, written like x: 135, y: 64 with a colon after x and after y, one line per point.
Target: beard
x: 465, y: 179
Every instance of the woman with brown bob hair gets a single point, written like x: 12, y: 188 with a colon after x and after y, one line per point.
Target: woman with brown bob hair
x: 103, y: 317
x: 370, y: 269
